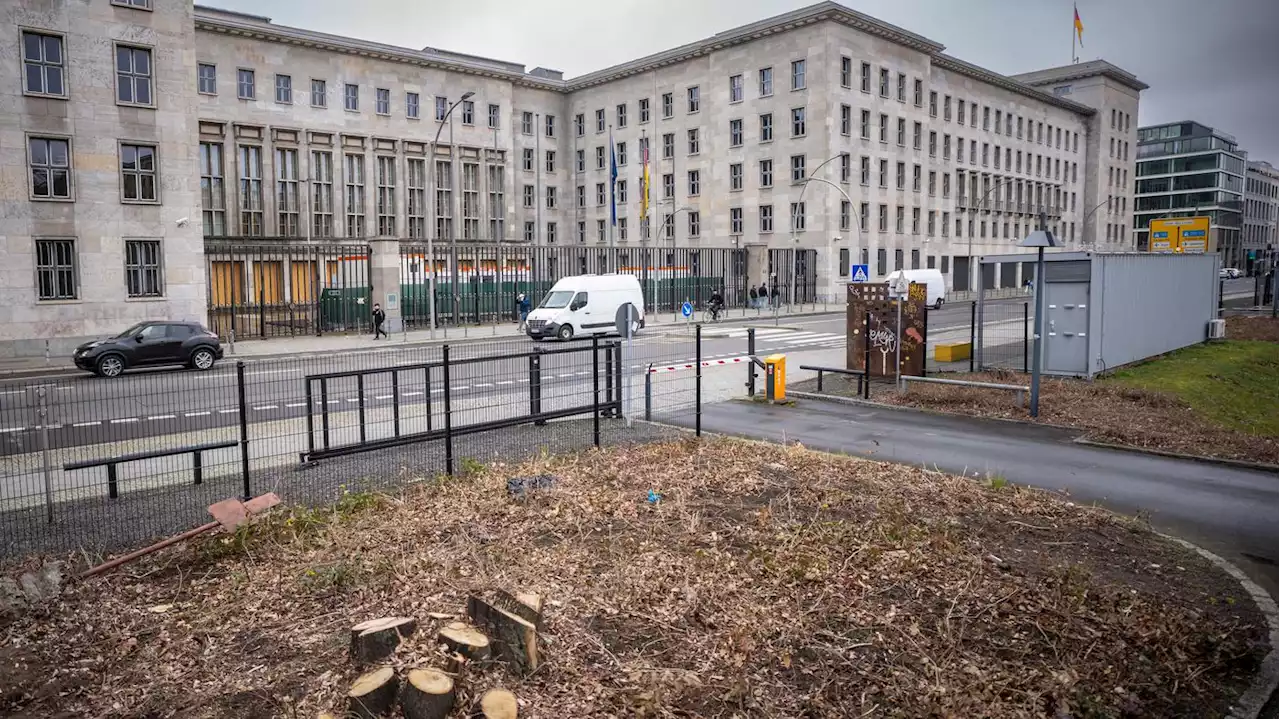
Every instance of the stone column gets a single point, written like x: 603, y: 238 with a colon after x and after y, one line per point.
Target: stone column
x: 384, y: 275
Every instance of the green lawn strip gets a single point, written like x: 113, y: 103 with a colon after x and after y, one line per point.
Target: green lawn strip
x: 1230, y: 383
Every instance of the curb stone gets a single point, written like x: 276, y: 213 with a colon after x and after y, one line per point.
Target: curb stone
x: 1240, y: 463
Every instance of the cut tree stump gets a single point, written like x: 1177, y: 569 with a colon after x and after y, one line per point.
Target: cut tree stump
x: 498, y: 704
x: 376, y: 639
x: 373, y: 694
x: 428, y: 694
x: 514, y: 639
x: 464, y: 639
x: 526, y: 605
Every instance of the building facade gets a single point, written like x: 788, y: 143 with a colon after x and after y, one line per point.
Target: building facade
x: 1186, y: 169
x: 1261, y: 187
x: 822, y: 129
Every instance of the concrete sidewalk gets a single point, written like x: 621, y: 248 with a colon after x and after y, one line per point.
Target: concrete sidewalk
x: 305, y: 345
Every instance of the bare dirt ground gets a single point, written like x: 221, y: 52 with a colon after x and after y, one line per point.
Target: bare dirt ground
x: 764, y: 581
x: 1262, y: 329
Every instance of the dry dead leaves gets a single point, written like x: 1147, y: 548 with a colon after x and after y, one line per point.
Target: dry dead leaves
x: 766, y: 582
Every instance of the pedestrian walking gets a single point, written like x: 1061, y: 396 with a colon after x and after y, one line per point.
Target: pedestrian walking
x: 774, y: 296
x: 522, y: 309
x: 379, y: 317
x: 764, y: 296
x: 755, y: 296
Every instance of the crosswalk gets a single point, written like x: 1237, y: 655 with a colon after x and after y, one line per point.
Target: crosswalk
x: 767, y: 338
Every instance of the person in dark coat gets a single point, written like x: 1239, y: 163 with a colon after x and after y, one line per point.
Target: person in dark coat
x: 774, y: 296
x: 522, y: 308
x: 754, y: 297
x: 379, y: 317
x: 764, y: 295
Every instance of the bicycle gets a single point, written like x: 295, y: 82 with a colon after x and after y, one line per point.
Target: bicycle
x: 712, y: 314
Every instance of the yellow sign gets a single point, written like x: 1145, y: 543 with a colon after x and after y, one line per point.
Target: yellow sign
x: 1181, y: 234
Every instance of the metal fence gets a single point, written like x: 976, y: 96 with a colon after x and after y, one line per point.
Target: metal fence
x: 97, y: 464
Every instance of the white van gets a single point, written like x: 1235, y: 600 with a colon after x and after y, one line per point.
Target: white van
x: 933, y: 281
x: 586, y: 305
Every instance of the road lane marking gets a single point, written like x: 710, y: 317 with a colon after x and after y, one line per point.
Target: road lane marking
x: 228, y: 411
x: 483, y: 384
x: 296, y: 404
x: 384, y: 396
x: 7, y: 430
x: 94, y: 423
x: 203, y: 413
x: 265, y: 407
x: 157, y: 417
x: 412, y: 394
x: 124, y: 420
x: 506, y: 382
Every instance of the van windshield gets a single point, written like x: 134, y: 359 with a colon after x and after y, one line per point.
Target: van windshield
x: 556, y: 300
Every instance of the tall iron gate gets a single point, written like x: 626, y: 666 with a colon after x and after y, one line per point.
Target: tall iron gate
x: 481, y: 283
x: 278, y: 288
x: 798, y: 266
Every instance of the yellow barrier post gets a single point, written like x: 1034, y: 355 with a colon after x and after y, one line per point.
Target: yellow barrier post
x: 775, y: 382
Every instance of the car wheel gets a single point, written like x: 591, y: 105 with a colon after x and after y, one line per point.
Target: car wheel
x: 938, y: 305
x: 202, y: 359
x: 565, y: 332
x: 110, y: 365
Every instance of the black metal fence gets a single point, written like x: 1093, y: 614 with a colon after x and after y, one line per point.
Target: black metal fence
x: 102, y: 464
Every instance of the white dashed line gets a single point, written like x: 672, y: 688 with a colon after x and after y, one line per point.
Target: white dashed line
x: 265, y: 407
x: 567, y: 374
x: 228, y: 411
x: 483, y: 384
x: 125, y: 420
x: 205, y: 413
x: 87, y: 424
x: 383, y: 396
x: 296, y: 404
x: 506, y: 382
x: 157, y: 417
x: 353, y: 399
x: 7, y: 430
x: 412, y: 394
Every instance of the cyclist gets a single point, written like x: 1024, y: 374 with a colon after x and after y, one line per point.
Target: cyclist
x: 715, y: 304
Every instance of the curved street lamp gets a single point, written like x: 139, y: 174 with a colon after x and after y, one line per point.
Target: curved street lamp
x: 431, y: 256
x: 670, y: 218
x: 804, y: 187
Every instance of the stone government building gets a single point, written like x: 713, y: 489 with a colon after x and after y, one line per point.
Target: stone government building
x: 135, y: 129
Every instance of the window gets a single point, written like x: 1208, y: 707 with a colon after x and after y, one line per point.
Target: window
x: 382, y: 103
x: 986, y: 118
x: 797, y: 217
x: 529, y: 197
x: 138, y: 173
x: 946, y: 147
x: 351, y: 97
x: 142, y: 272
x: 644, y: 110
x: 915, y: 230
x: 319, y: 94
x: 960, y: 111
x: 442, y: 108
x: 668, y: 185
x: 845, y: 210
x: 932, y: 226
x: 622, y: 191
x: 946, y: 108
x: 766, y: 127
x: 668, y: 146
x: 600, y: 120
x: 206, y: 79
x: 579, y: 122
x: 933, y: 182
x: 915, y: 178
x: 902, y: 87
x: 933, y: 103
x: 582, y: 194
x: 973, y: 114
x: 386, y: 197
x: 321, y: 193
x: 693, y: 141
x: 284, y: 89
x: 866, y: 77
x: 735, y: 133
x: 213, y: 196
x: 946, y: 227
x: 899, y: 220
x: 551, y: 233
x: 902, y: 132
x: 735, y: 176
x: 865, y: 124
x: 735, y: 88
x: 695, y: 223
x: 695, y: 183
x: 251, y: 190
x: 933, y: 143
x: 766, y: 218
x: 526, y: 123
x: 735, y: 220
x: 44, y: 66
x: 49, y: 160
x: 797, y: 75
x: 846, y: 167
x: 56, y: 272
x: 526, y: 158
x: 916, y: 132
x: 766, y: 173
x: 529, y: 231
x: 468, y: 111
x: 946, y: 186
x: 411, y: 106
x: 551, y: 160
x: 668, y: 105
x: 622, y: 229
x: 884, y: 173
x: 470, y: 201
x: 621, y: 114
x: 244, y: 84
x: 354, y: 165
x: 551, y: 198
x: 416, y: 197
x: 901, y: 175
x: 766, y: 81
x: 884, y: 128
x: 884, y: 82
x: 694, y: 102
x: 918, y: 93
x: 797, y: 168
x: 550, y: 126
x: 133, y: 75
x: 864, y: 211
x: 846, y: 120
x: 883, y: 219
x: 797, y: 122
x: 622, y: 153
x: 865, y: 171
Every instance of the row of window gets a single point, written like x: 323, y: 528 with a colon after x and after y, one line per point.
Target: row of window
x: 50, y: 170
x: 882, y: 261
x: 58, y: 269
x: 44, y: 69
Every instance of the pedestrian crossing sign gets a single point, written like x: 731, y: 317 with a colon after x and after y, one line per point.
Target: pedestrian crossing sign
x: 859, y: 273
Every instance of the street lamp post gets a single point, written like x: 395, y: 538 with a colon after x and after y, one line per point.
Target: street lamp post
x: 981, y: 201
x: 671, y: 218
x: 1039, y: 239
x: 431, y: 254
x: 805, y: 186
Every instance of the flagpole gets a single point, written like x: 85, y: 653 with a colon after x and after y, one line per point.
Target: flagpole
x: 613, y: 180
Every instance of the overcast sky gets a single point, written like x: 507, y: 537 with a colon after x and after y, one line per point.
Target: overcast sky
x: 1214, y: 61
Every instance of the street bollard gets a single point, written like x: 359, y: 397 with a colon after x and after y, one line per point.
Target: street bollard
x: 648, y: 393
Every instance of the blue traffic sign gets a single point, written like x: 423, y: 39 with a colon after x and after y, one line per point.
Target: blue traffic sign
x: 686, y: 309
x: 860, y: 273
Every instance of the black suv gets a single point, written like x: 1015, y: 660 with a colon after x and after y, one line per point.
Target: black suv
x: 148, y: 344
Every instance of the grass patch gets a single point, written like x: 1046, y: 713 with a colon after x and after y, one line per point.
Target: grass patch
x: 1232, y: 383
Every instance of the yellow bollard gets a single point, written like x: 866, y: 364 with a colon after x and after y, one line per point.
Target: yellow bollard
x: 775, y: 378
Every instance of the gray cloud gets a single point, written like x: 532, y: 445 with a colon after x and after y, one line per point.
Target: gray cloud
x: 1214, y: 62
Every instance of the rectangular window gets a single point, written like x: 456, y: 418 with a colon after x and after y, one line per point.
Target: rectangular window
x: 845, y: 211
x: 550, y: 122
x: 864, y: 124
x: 735, y: 176
x: 56, y: 272
x: 695, y: 183
x: 915, y: 230
x: 582, y: 194
x: 551, y: 160
x: 695, y: 223
x: 694, y: 145
x: 468, y: 111
x: 321, y: 193
x: 866, y: 77
x: 766, y: 218
x: 694, y: 100
x: 766, y: 81
x: 621, y: 188
x: 442, y: 107
x: 797, y: 122
x: 931, y: 227
x: 138, y: 173
x: 251, y: 190
x: 735, y: 220
x: 133, y: 75
x: 915, y: 178
x: 846, y: 120
x: 644, y: 110
x: 143, y: 274
x: 916, y: 132
x: 621, y: 115
x: 284, y: 89
x: 213, y: 197
x: 901, y: 176
x: 206, y: 79
x: 884, y: 82
x: 735, y: 88
x: 287, y: 192
x: 526, y: 157
x: 385, y: 205
x: 411, y: 105
x: 960, y: 106
x: 946, y: 108
x: 766, y: 127
x: 668, y: 146
x: 933, y: 143
x: 797, y: 75
x: 797, y: 217
x: 497, y: 202
x: 918, y: 93
x: 865, y: 170
x: 797, y: 168
x: 902, y: 132
x: 668, y: 185
x: 933, y: 182
x: 354, y: 167
x: 351, y: 97
x: 864, y: 213
x: 319, y: 94
x: 884, y: 128
x: 49, y: 160
x: 846, y: 167
x: 882, y: 224
x: 902, y: 87
x: 668, y: 105
x: 946, y: 227
x: 986, y: 118
x: 245, y: 89
x: 44, y: 67
x: 622, y: 154
x: 444, y: 199
x: 933, y: 103
x: 884, y: 173
x: 415, y: 181
x: 766, y: 173
x: 495, y: 117
x: 846, y: 72
x: 735, y: 133
x: 529, y: 197
x: 470, y: 201
x: 898, y: 221
x: 382, y: 102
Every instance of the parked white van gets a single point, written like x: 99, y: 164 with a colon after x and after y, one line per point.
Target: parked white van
x: 933, y: 281
x: 586, y: 305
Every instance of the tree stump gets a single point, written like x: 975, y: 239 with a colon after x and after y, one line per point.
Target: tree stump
x: 373, y: 694
x: 376, y: 639
x: 498, y: 704
x: 514, y: 639
x: 526, y: 605
x: 464, y: 639
x: 428, y: 694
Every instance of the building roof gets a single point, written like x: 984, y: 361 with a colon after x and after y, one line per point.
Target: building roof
x: 1081, y: 70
